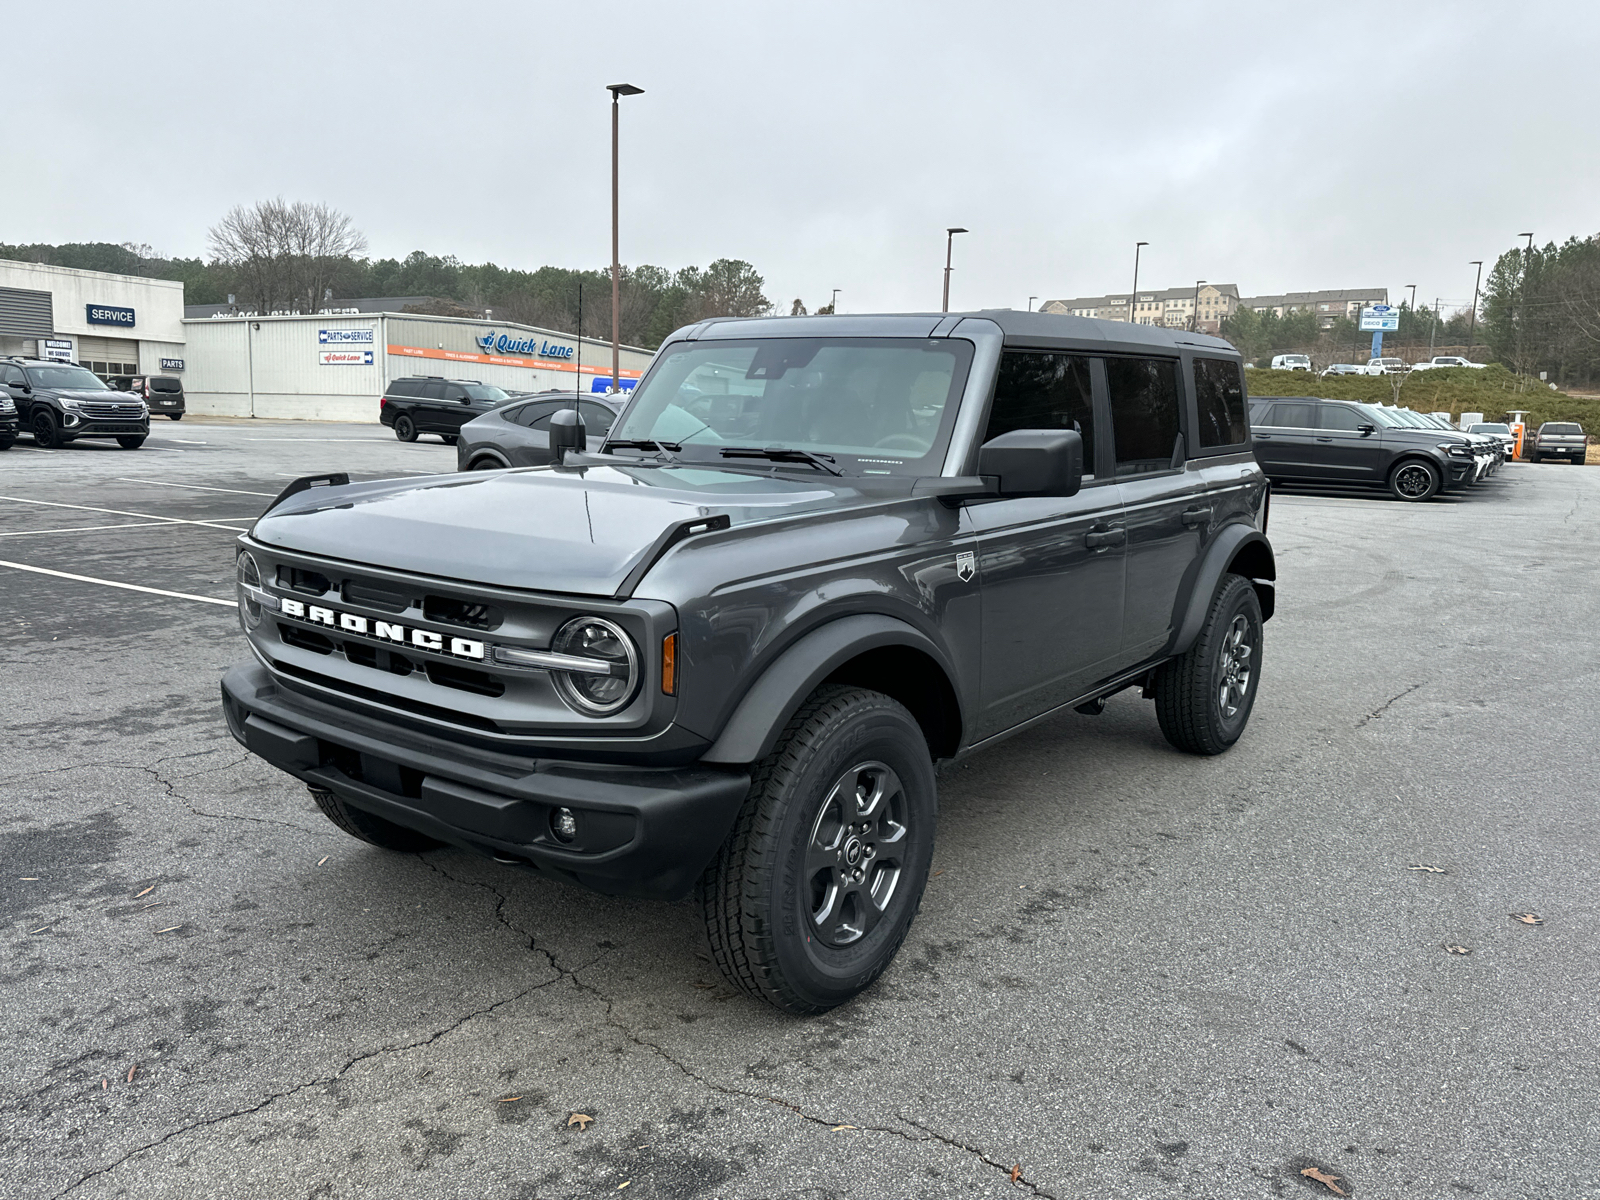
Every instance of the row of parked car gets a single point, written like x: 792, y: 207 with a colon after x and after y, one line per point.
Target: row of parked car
x: 1373, y: 366
x: 60, y: 402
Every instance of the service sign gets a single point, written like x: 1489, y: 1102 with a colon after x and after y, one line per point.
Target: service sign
x: 345, y: 358
x: 345, y: 337
x: 1380, y: 318
x: 105, y: 314
x: 172, y: 364
x: 57, y: 348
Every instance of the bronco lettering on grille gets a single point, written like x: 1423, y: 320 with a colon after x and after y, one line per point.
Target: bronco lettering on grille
x: 382, y: 631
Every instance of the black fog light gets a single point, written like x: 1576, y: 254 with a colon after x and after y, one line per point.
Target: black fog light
x: 564, y: 824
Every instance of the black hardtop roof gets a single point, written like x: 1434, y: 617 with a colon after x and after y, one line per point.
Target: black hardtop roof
x: 1018, y: 328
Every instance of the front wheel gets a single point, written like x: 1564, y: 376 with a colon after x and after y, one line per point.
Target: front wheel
x: 131, y: 442
x: 175, y: 416
x: 1533, y: 456
x: 6, y: 442
x: 450, y: 439
x: 1204, y: 696
x: 45, y: 434
x: 813, y: 892
x: 405, y: 429
x: 1414, y: 480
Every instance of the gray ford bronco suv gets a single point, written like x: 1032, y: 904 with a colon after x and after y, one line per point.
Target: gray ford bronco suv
x: 722, y: 654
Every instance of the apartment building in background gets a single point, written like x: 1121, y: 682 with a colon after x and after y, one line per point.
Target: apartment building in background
x: 1206, y: 308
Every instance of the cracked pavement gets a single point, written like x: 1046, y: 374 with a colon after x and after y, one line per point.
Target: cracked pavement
x: 1135, y: 974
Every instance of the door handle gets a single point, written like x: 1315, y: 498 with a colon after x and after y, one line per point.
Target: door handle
x: 1323, y: 439
x: 1263, y: 437
x: 1103, y: 538
x: 1196, y: 516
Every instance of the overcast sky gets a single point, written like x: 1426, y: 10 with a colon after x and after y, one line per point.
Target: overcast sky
x: 1277, y: 146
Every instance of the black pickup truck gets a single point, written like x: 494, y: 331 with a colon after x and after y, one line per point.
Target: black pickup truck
x: 723, y: 653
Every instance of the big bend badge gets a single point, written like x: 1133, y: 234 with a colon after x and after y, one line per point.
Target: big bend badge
x: 966, y: 566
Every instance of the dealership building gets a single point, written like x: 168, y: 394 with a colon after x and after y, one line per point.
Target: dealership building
x: 334, y: 367
x: 112, y: 324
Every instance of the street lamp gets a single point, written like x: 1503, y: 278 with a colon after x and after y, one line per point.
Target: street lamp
x: 1522, y: 297
x: 1413, y: 339
x: 1194, y: 316
x: 1472, y: 322
x: 1031, y: 299
x: 833, y: 305
x: 949, y: 240
x: 1133, y: 300
x: 617, y: 90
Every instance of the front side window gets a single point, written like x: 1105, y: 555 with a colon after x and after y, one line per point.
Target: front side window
x: 1338, y: 416
x: 1144, y: 412
x: 877, y: 406
x: 597, y: 418
x: 1219, y: 401
x: 1293, y: 416
x: 1044, y: 391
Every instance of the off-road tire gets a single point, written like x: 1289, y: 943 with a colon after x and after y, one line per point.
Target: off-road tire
x: 754, y: 895
x: 46, y: 433
x: 405, y: 428
x: 1188, y: 688
x: 131, y: 442
x: 369, y: 828
x: 1407, y: 470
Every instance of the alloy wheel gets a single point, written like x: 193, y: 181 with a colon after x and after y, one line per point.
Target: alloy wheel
x: 1413, y: 480
x: 856, y: 854
x: 1234, y: 664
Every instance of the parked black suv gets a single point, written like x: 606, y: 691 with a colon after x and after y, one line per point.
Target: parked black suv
x: 814, y: 556
x: 1303, y: 439
x: 430, y: 404
x: 8, y: 420
x: 163, y: 394
x: 59, y: 402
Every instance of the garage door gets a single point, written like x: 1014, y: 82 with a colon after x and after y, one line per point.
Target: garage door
x: 109, y: 356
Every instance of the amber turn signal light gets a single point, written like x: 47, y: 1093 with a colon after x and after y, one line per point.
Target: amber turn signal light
x: 669, y: 664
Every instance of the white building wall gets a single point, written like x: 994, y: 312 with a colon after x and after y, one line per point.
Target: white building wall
x: 157, y: 307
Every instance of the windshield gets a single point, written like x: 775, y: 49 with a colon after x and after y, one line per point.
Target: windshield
x: 1491, y: 428
x: 483, y: 391
x: 70, y: 378
x: 875, y: 406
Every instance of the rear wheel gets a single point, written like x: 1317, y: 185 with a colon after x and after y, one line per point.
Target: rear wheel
x: 450, y: 439
x: 813, y: 892
x: 485, y: 464
x: 405, y: 428
x: 131, y: 442
x: 369, y: 828
x: 1414, y: 479
x: 1533, y: 456
x: 45, y: 433
x: 1204, y: 697
x: 7, y: 442
x: 175, y: 416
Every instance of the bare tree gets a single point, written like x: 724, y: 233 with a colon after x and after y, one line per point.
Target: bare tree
x: 284, y: 255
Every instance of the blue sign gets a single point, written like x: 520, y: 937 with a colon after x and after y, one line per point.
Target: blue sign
x: 344, y: 337
x: 172, y: 364
x: 505, y: 343
x: 602, y: 384
x: 104, y: 314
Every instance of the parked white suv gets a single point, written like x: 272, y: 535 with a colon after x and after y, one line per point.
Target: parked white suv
x: 1291, y: 362
x: 1448, y: 360
x: 1386, y: 366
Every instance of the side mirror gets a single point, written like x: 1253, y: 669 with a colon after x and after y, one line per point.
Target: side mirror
x: 1366, y: 429
x: 566, y: 433
x: 1034, y: 462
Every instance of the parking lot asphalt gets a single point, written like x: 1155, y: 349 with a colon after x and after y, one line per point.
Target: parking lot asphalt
x: 1135, y: 973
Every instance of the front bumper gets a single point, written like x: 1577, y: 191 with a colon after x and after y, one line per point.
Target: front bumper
x: 102, y: 427
x: 8, y: 424
x: 642, y: 831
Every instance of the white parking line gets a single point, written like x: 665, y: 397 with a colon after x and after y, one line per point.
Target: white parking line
x: 194, y: 487
x: 132, y: 587
x: 122, y: 512
x: 87, y: 528
x: 191, y: 442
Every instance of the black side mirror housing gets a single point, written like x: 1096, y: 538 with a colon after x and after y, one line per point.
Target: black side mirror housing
x: 1366, y: 429
x: 567, y: 433
x: 1034, y: 462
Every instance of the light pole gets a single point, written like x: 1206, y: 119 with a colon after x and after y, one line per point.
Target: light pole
x: 1472, y: 321
x: 617, y: 90
x: 833, y: 305
x: 1133, y: 300
x: 1194, y: 316
x: 1522, y: 297
x: 1031, y: 299
x: 949, y: 240
x: 1413, y: 339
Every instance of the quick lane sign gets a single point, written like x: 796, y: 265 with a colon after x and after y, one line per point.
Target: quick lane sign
x: 345, y: 358
x: 105, y: 314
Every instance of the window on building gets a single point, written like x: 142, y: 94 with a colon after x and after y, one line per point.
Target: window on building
x: 1044, y: 391
x: 1219, y: 401
x: 1144, y: 412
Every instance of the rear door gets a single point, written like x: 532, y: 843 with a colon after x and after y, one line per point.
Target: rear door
x: 1347, y: 452
x: 1284, y: 439
x: 1164, y: 509
x: 1050, y: 568
x: 428, y: 410
x: 457, y: 409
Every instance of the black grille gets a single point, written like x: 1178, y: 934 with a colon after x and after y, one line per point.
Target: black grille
x: 373, y: 596
x: 110, y: 410
x: 310, y: 582
x: 449, y: 715
x: 449, y: 611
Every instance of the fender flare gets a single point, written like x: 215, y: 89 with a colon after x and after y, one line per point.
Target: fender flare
x: 483, y: 454
x: 759, y: 718
x: 1213, y: 566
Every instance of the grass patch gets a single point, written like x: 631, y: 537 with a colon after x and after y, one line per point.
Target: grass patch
x: 1493, y: 391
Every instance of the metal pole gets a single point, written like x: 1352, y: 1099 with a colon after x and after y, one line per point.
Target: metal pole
x: 1194, y: 315
x: 1472, y: 322
x: 833, y: 305
x: 1433, y: 326
x: 616, y: 259
x: 1133, y: 300
x: 949, y: 241
x: 1031, y: 299
x: 1412, y: 340
x: 1522, y: 298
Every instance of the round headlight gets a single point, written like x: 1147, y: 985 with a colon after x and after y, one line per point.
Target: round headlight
x: 249, y: 576
x: 594, y: 694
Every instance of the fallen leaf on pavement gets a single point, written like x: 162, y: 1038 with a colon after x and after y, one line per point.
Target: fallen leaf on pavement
x: 104, y: 1083
x: 936, y: 874
x: 169, y: 928
x: 41, y: 929
x: 706, y: 986
x: 623, y: 1184
x: 30, y: 878
x: 1455, y: 949
x: 131, y: 1071
x: 837, y: 1128
x: 1430, y: 870
x: 1528, y: 918
x: 1016, y: 1172
x: 581, y: 1120
x: 146, y: 892
x: 323, y: 859
x: 508, y: 1099
x: 1332, y: 1181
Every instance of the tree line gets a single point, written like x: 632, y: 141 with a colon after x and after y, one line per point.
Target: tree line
x: 282, y: 256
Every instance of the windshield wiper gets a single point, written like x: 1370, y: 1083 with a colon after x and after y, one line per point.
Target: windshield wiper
x: 667, y: 450
x: 783, y: 454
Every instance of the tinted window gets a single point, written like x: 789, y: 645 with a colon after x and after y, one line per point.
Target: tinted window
x: 1044, y: 391
x: 1219, y: 399
x: 11, y: 374
x: 455, y: 393
x: 160, y: 383
x: 1144, y: 412
x: 1560, y: 427
x: 1337, y: 416
x: 1258, y: 414
x: 484, y: 391
x: 534, y: 416
x: 1293, y: 416
x: 597, y: 418
x: 406, y: 387
x: 433, y: 389
x: 68, y: 378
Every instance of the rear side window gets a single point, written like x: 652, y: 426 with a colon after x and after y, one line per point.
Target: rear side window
x: 597, y: 418
x: 1044, y: 391
x: 1219, y: 401
x: 534, y: 416
x: 433, y: 389
x: 1144, y: 412
x: 160, y: 383
x: 1293, y: 416
x: 406, y: 387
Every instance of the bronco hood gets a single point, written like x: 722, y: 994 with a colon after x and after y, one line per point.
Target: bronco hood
x: 576, y: 531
